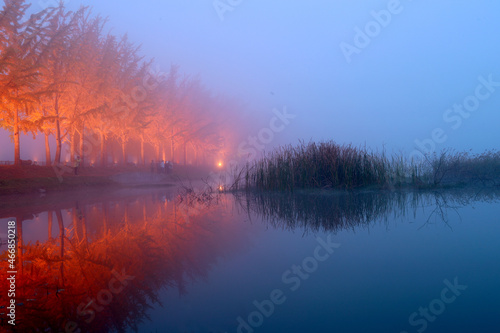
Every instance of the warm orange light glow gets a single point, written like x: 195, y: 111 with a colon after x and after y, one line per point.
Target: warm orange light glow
x: 220, y: 164
x: 221, y: 188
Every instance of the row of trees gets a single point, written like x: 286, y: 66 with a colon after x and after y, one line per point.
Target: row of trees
x: 62, y: 75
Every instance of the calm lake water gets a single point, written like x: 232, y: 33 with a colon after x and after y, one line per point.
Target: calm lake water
x: 152, y: 260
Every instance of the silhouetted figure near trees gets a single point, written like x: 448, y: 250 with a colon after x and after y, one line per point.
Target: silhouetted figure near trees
x: 77, y: 164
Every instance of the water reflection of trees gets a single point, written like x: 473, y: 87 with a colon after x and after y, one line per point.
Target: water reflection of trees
x: 70, y: 281
x: 335, y: 211
x: 444, y: 203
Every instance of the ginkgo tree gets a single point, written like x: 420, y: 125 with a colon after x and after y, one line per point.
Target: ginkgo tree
x: 19, y: 69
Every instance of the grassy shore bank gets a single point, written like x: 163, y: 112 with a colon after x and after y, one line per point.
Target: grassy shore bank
x: 329, y: 165
x: 33, y: 179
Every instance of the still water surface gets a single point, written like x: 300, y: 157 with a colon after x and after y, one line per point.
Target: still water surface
x: 156, y: 261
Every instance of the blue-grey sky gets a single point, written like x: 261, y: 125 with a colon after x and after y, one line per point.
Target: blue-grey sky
x: 387, y: 86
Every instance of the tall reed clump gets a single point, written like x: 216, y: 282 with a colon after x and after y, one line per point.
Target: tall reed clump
x: 329, y: 165
x: 322, y: 165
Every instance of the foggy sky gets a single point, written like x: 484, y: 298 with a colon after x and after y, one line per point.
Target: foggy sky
x: 388, y: 90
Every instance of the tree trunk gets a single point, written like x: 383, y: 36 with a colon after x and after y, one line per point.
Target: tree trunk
x: 57, y: 159
x: 124, y: 152
x: 82, y: 221
x: 20, y: 245
x: 104, y: 157
x: 105, y: 218
x: 49, y: 220
x: 47, y: 150
x: 126, y: 217
x: 172, y: 146
x: 73, y: 146
x: 157, y: 150
x: 60, y: 222
x: 143, y: 160
x: 17, y: 151
x: 82, y: 138
x: 76, y: 225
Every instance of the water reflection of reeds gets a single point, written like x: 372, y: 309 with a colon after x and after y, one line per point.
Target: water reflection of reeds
x: 336, y: 211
